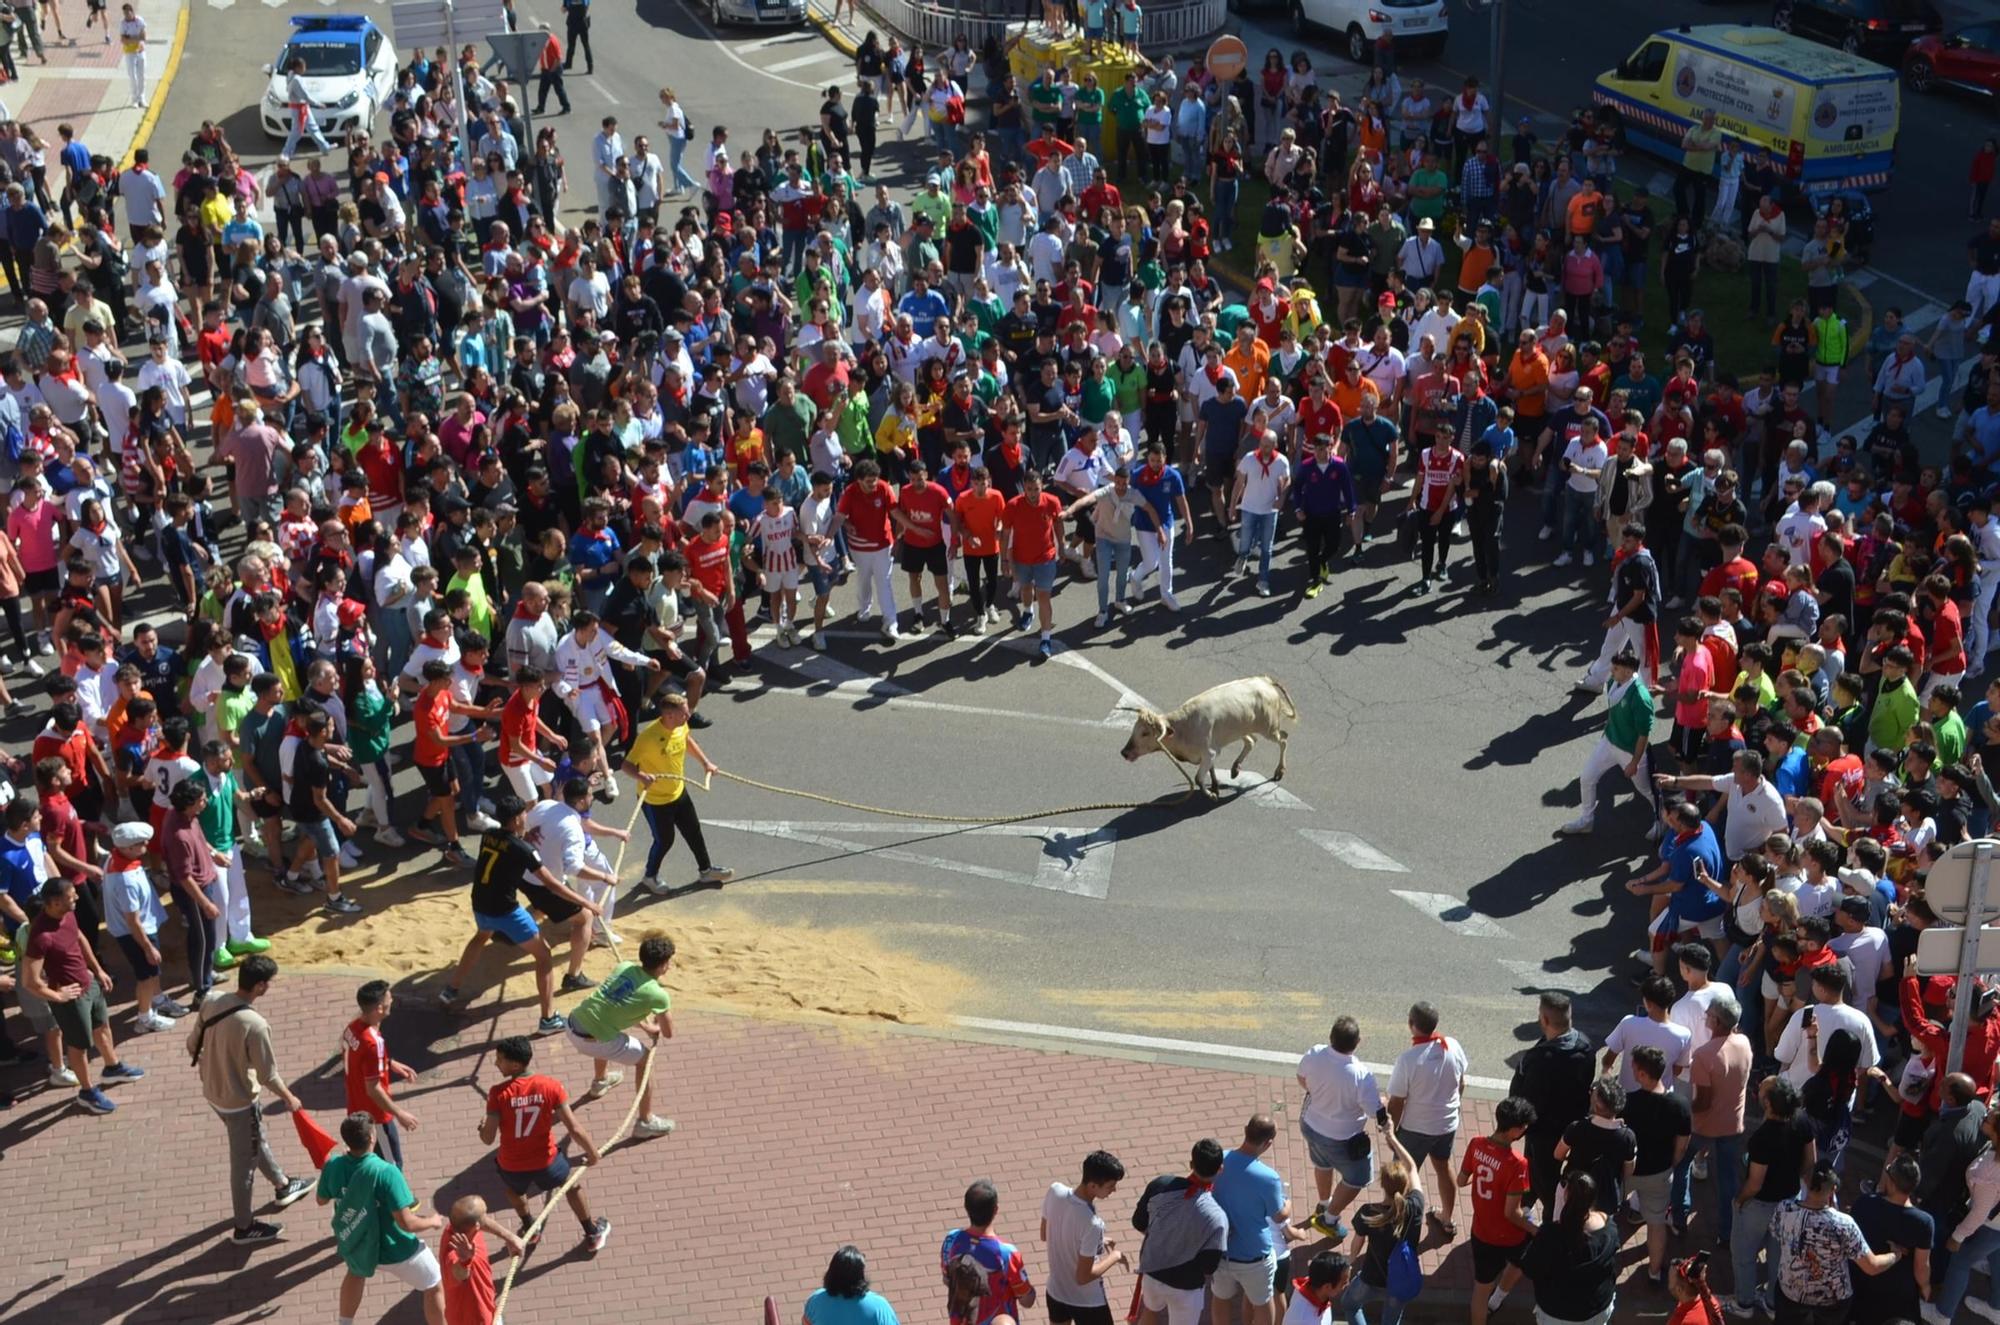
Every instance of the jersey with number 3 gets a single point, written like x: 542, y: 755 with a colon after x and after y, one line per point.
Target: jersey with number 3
x: 526, y: 1107
x: 165, y: 772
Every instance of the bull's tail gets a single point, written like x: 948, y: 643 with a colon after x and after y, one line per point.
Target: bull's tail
x: 1285, y: 695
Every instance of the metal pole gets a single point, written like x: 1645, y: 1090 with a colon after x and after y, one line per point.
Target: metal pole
x: 1968, y: 954
x: 451, y: 45
x: 1499, y: 70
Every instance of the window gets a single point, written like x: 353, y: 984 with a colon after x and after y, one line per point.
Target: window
x: 1649, y: 63
x: 324, y: 59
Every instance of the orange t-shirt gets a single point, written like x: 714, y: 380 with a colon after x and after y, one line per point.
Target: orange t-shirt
x: 1349, y: 398
x: 1033, y: 524
x: 979, y: 521
x: 1526, y: 373
x: 432, y: 712
x: 1473, y: 266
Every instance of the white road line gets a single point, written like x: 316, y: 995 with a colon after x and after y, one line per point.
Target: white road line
x: 800, y: 62
x: 1454, y: 914
x: 849, y: 681
x: 731, y: 51
x: 1923, y: 317
x: 782, y: 39
x: 1081, y: 865
x: 1204, y: 1048
x: 1260, y: 790
x: 1532, y: 976
x: 1127, y: 697
x: 1351, y: 850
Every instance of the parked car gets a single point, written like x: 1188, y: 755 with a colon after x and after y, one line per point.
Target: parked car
x: 1968, y: 58
x: 350, y: 71
x: 758, y: 12
x: 1417, y: 26
x: 1872, y: 28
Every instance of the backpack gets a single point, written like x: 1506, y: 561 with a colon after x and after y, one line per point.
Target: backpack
x: 1404, y: 1274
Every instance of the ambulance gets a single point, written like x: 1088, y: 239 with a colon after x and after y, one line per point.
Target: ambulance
x: 1829, y: 118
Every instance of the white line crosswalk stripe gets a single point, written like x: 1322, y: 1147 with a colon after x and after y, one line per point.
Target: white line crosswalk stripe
x: 800, y: 62
x: 1454, y: 914
x: 1351, y: 850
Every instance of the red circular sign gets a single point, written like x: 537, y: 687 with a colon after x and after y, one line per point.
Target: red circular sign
x: 1227, y: 57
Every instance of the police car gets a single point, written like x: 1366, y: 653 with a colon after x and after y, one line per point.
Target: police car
x: 757, y: 12
x: 350, y: 72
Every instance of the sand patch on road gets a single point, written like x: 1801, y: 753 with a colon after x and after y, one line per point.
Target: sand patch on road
x: 726, y: 956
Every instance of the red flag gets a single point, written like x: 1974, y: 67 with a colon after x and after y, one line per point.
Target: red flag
x: 313, y: 1137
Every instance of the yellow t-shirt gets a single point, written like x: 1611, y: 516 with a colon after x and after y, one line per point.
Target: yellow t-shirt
x: 661, y: 750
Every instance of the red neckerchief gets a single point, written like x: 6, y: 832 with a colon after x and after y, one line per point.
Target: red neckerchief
x: 1011, y: 453
x: 1682, y: 839
x: 1302, y: 1287
x: 120, y: 862
x: 1263, y: 465
x: 1152, y: 474
x: 1196, y: 1186
x: 1432, y: 1038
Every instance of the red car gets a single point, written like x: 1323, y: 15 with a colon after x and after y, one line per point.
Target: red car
x: 1968, y: 58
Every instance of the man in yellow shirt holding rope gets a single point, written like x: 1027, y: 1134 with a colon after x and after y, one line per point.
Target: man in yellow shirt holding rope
x: 656, y: 760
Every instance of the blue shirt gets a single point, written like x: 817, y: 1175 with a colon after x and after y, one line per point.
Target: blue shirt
x: 1249, y: 1192
x: 924, y: 310
x: 1368, y: 445
x: 588, y: 552
x: 746, y: 506
x: 1162, y: 500
x: 823, y: 1308
x: 1694, y: 902
x: 1792, y: 776
x: 18, y: 874
x: 1500, y: 439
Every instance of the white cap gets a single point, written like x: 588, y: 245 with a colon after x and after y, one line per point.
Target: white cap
x: 131, y: 836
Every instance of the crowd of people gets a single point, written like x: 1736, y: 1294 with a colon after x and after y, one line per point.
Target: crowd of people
x: 493, y: 436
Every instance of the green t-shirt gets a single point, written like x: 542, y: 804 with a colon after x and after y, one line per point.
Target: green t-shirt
x: 1043, y: 101
x: 218, y: 817
x: 1631, y: 718
x: 1128, y: 384
x: 1128, y: 110
x: 856, y: 437
x: 367, y: 1191
x: 369, y: 716
x: 1096, y: 399
x: 1432, y: 207
x: 233, y: 705
x: 1089, y: 108
x: 627, y: 997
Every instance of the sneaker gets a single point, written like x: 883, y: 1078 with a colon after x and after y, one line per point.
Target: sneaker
x: 480, y: 822
x: 249, y: 947
x: 61, y: 1076
x: 1424, y: 587
x: 1565, y: 559
x: 450, y: 995
x: 600, y: 935
x: 576, y: 982
x: 716, y: 874
x: 1048, y: 647
x: 43, y: 647
x: 1103, y: 620
x: 979, y: 624
x: 255, y: 1232
x: 1021, y: 620
x: 343, y: 905
x: 1731, y: 1307
x: 35, y: 668
x: 1171, y: 603
x: 221, y: 959
x: 551, y: 1024
x: 166, y: 1007
x: 917, y: 626
x: 652, y: 885
x: 122, y: 1072
x: 1577, y: 828
x: 892, y: 633
x: 653, y: 1126
x: 1263, y: 588
x: 819, y: 641
x: 454, y: 856
x: 428, y: 837
x: 289, y: 882
x: 1548, y: 532
x: 599, y: 1089
x: 365, y: 818
x: 389, y: 837
x: 1944, y: 411
x: 1590, y: 558
x: 1312, y: 590
x: 295, y: 1189
x: 598, y: 1234
x: 14, y: 708
x: 147, y: 1023
x: 94, y: 1100
x: 1086, y: 569
x: 1331, y: 1228
x: 350, y: 854
x: 1122, y: 607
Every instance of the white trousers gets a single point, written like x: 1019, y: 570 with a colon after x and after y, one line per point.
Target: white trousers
x: 1156, y: 552
x: 1621, y: 635
x: 1606, y: 758
x: 135, y: 70
x: 1982, y: 292
x: 235, y: 927
x: 592, y: 713
x: 529, y: 781
x: 874, y: 576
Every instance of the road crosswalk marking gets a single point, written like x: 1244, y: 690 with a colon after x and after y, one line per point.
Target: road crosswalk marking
x: 801, y: 61
x: 1454, y: 914
x: 1071, y: 860
x: 1351, y: 850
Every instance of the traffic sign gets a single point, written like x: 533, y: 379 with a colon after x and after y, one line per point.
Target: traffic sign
x: 428, y: 23
x: 1227, y: 57
x: 519, y: 52
x: 1941, y: 949
x: 1948, y: 884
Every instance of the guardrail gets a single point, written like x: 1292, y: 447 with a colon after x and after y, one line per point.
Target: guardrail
x: 1169, y: 24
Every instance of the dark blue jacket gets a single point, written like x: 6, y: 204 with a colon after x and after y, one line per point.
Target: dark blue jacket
x: 1325, y: 491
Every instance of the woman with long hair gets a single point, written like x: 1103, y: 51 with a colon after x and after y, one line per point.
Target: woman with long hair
x: 1573, y: 1261
x: 1270, y: 94
x: 1380, y: 1227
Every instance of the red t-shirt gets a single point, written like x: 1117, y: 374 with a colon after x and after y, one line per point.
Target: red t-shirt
x: 472, y: 1301
x: 62, y: 827
x: 867, y: 515
x: 58, y: 945
x: 1497, y: 1171
x: 1847, y: 772
x: 432, y: 713
x: 517, y: 724
x: 73, y: 749
x: 1947, y: 634
x: 526, y: 1107
x: 1033, y: 524
x: 1740, y: 574
x: 924, y: 511
x: 708, y: 562
x: 1320, y: 420
x: 364, y: 1057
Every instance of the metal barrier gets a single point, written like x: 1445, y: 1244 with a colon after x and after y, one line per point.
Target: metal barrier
x: 1169, y: 24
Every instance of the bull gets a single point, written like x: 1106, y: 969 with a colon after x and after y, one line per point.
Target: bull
x: 1240, y: 710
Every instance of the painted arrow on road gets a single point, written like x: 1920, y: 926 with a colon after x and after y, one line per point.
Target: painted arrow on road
x: 1076, y: 861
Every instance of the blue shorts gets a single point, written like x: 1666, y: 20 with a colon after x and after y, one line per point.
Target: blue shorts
x: 1036, y: 575
x: 822, y: 580
x: 1329, y: 1155
x: 517, y: 926
x: 320, y: 833
x: 529, y: 1181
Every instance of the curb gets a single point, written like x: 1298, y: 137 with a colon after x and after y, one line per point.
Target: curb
x: 835, y: 35
x: 144, y: 132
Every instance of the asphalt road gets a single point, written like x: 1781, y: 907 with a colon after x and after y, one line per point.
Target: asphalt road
x: 1408, y: 852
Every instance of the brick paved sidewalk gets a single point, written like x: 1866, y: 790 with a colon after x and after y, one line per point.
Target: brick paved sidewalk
x: 794, y: 1138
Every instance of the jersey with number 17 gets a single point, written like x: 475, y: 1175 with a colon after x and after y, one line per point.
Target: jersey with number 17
x: 525, y: 1107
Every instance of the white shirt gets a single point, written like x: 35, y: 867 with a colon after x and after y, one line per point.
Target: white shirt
x: 1830, y: 1017
x: 1752, y: 816
x: 1796, y: 533
x: 1075, y: 1229
x: 1638, y: 1031
x: 1341, y: 1095
x: 425, y: 651
x: 142, y: 190
x: 1427, y: 1078
x: 1084, y: 472
x: 1690, y: 1012
x: 1262, y: 480
x: 583, y: 664
x: 1865, y: 949
x: 560, y: 837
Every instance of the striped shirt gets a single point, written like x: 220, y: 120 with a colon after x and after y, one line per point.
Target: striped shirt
x: 774, y: 534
